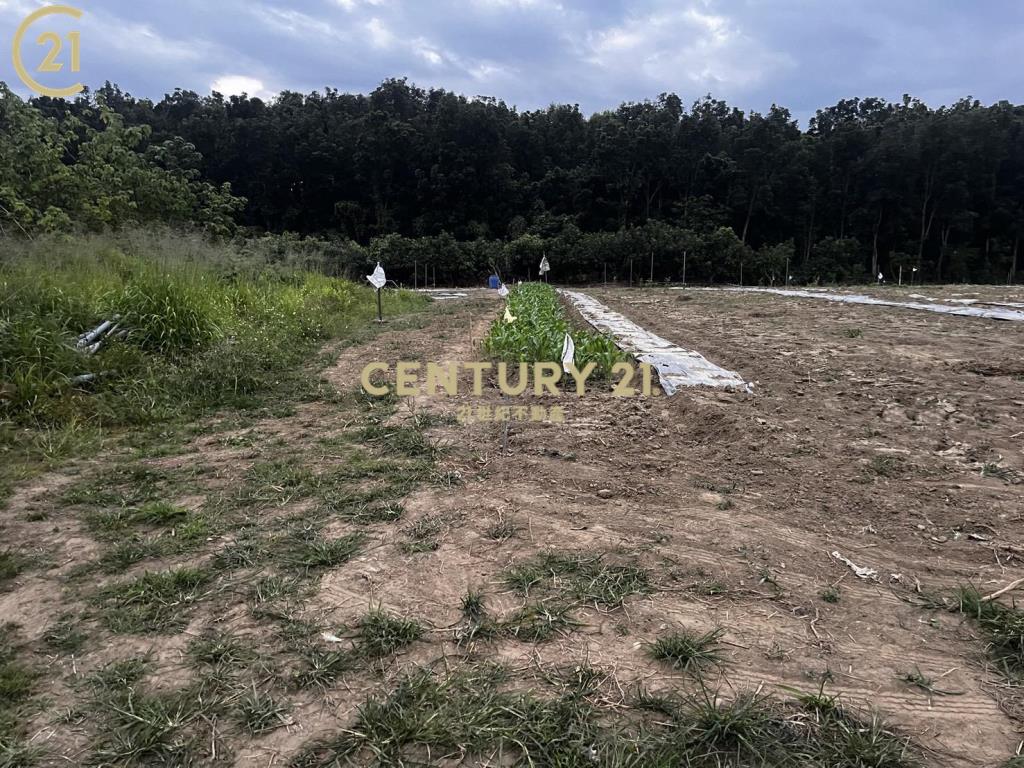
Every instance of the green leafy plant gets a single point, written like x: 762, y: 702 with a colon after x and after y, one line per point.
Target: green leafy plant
x: 538, y: 332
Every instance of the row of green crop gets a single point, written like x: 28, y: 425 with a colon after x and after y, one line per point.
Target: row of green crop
x: 538, y: 332
x: 196, y: 337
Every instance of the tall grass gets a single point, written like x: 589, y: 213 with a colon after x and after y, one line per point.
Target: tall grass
x: 205, y: 327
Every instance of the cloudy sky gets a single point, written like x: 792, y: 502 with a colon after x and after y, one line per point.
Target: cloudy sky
x: 803, y: 54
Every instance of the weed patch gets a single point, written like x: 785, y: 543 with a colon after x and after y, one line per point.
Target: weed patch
x: 1003, y: 627
x: 307, y: 550
x: 157, y: 602
x: 260, y: 712
x: 381, y: 634
x: 17, y: 685
x: 583, y: 577
x: 539, y: 622
x: 688, y: 651
x: 470, y: 717
x: 11, y: 564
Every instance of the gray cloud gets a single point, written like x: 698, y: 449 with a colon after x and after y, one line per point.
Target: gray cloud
x: 802, y: 54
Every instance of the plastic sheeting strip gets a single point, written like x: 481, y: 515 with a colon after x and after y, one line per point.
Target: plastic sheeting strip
x: 855, y: 298
x: 438, y: 293
x: 971, y: 302
x: 676, y: 367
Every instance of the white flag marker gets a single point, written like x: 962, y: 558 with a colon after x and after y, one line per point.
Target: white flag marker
x: 503, y: 291
x: 545, y: 267
x: 509, y: 317
x: 568, y: 353
x: 377, y: 279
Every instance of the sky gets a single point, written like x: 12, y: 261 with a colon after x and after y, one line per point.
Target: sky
x: 800, y: 54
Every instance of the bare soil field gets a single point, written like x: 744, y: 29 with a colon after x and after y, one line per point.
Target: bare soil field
x: 269, y: 590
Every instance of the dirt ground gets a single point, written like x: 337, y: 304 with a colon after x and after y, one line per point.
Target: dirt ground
x: 895, y: 438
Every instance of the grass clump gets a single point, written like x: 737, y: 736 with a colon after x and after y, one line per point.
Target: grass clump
x: 131, y: 551
x: 218, y: 649
x: 65, y: 637
x: 409, y: 442
x: 124, y: 488
x: 378, y: 635
x: 119, y: 675
x: 321, y: 668
x: 271, y: 588
x: 138, y: 727
x: 17, y: 685
x: 887, y: 466
x: 277, y: 482
x: 367, y: 514
x: 539, y: 331
x: 830, y: 594
x: 747, y: 730
x: 156, y: 602
x: 470, y: 717
x: 1003, y: 627
x: 539, y: 622
x: 261, y: 713
x: 160, y: 513
x: 841, y: 737
x: 11, y: 564
x: 381, y: 634
x: 504, y: 528
x: 149, y: 730
x: 307, y: 550
x: 688, y: 651
x: 477, y: 622
x: 583, y: 577
x: 422, y: 535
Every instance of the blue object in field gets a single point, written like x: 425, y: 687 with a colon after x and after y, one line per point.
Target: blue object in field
x: 495, y: 282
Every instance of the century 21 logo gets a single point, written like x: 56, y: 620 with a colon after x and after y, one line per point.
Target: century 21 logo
x: 50, y: 62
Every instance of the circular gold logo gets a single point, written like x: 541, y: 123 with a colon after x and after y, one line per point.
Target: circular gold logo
x: 50, y: 63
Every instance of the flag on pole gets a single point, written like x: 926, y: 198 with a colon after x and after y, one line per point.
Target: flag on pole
x: 544, y: 266
x: 509, y: 318
x: 377, y: 279
x: 568, y: 353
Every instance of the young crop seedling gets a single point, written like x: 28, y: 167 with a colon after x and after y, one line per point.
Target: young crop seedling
x: 539, y: 331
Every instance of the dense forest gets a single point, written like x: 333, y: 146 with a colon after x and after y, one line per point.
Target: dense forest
x: 433, y: 179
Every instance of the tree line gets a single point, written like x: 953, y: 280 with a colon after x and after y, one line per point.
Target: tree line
x: 428, y: 178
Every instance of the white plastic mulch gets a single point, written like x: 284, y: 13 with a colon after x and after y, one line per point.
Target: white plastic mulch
x: 1012, y: 304
x: 442, y: 293
x: 855, y: 298
x: 676, y: 367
